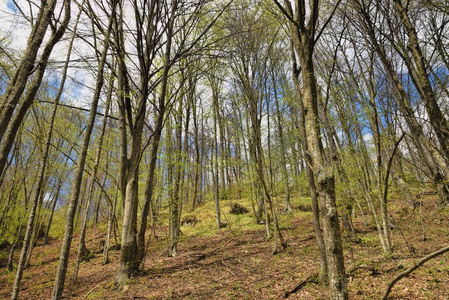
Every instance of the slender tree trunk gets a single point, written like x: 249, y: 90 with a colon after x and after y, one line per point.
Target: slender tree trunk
x: 197, y: 166
x: 98, y: 202
x: 73, y: 202
x: 50, y: 220
x: 217, y: 154
x: 111, y: 221
x: 347, y: 199
x: 9, y: 123
x: 83, y: 251
x: 283, y: 154
x: 43, y: 162
x: 13, y: 247
x: 149, y: 189
x: 19, y: 80
x: 175, y: 201
x: 303, y: 39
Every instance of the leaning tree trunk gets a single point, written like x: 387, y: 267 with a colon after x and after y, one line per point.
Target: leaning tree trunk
x: 83, y: 251
x: 50, y: 219
x: 73, y: 202
x: 421, y: 78
x: 111, y: 221
x: 433, y: 157
x: 9, y: 123
x: 13, y: 247
x: 150, y: 184
x: 43, y: 162
x: 19, y: 80
x: 335, y: 156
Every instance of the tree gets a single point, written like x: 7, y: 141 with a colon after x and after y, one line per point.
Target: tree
x: 76, y: 189
x: 215, y: 83
x: 41, y: 172
x: 249, y: 59
x: 433, y: 157
x: 303, y: 30
x: 11, y: 117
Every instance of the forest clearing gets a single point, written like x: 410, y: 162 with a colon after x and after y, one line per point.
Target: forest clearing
x: 224, y: 149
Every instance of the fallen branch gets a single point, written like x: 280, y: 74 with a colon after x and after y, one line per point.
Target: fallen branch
x: 372, y: 269
x: 92, y: 289
x: 413, y: 268
x: 300, y: 285
x: 222, y: 261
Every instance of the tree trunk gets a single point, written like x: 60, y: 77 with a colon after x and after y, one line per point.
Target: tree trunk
x: 175, y: 201
x: 325, y: 184
x: 19, y: 80
x: 111, y: 221
x: 9, y: 123
x: 433, y: 158
x: 215, y: 107
x: 129, y: 261
x: 197, y: 165
x: 283, y: 154
x: 324, y: 270
x: 83, y: 251
x: 50, y: 220
x: 421, y: 79
x: 43, y: 163
x: 73, y: 202
x: 13, y: 247
x: 303, y: 38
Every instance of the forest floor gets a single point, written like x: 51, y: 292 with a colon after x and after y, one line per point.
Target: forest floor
x: 237, y: 262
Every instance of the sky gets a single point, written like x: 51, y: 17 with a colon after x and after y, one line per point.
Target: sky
x: 15, y: 30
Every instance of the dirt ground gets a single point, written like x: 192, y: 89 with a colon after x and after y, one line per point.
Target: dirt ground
x: 239, y: 264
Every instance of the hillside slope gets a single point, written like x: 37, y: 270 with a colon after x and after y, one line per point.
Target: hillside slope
x: 236, y: 262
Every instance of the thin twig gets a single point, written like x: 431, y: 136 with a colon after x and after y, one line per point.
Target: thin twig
x: 222, y: 261
x: 88, y: 293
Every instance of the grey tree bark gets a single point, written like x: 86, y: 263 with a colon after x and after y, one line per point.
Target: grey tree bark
x: 129, y: 262
x: 76, y: 189
x: 43, y: 163
x: 303, y: 30
x: 83, y: 251
x: 287, y: 206
x: 11, y: 117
